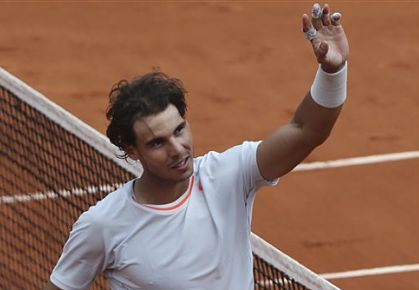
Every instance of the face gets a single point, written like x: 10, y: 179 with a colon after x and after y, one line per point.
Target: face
x: 164, y: 146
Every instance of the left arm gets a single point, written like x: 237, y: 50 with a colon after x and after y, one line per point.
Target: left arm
x: 313, y: 120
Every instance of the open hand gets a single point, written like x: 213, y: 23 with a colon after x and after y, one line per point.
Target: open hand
x: 327, y: 37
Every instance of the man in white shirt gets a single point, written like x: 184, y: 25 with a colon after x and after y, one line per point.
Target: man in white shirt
x: 185, y: 223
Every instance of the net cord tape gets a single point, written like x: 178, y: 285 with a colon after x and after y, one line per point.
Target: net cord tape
x: 288, y: 265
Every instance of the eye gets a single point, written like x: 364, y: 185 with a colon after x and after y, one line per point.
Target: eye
x: 180, y: 128
x: 156, y: 143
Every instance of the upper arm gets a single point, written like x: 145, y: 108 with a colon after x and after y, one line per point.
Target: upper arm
x: 282, y: 151
x: 292, y: 143
x: 83, y: 256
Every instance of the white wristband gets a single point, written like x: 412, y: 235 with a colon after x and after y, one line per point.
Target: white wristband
x: 329, y: 89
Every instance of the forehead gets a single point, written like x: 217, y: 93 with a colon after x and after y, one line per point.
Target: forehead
x: 159, y: 125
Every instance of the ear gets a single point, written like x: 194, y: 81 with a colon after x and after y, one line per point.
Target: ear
x: 132, y: 152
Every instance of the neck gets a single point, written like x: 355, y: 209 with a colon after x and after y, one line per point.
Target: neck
x: 158, y: 191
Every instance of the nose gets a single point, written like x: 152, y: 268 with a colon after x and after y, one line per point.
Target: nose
x: 176, y: 147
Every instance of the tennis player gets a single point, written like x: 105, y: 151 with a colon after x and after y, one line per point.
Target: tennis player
x: 185, y: 223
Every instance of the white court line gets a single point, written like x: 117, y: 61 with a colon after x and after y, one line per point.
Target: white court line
x: 371, y: 272
x: 358, y: 160
x: 52, y: 194
x: 301, y: 167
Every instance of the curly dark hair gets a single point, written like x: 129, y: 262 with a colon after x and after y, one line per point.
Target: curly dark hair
x: 143, y: 96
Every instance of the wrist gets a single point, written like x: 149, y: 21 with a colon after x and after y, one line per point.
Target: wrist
x: 332, y: 69
x: 329, y: 89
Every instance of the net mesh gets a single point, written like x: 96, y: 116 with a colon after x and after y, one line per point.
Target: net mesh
x: 48, y: 177
x: 268, y: 277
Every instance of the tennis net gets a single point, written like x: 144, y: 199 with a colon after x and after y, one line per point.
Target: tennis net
x: 53, y: 167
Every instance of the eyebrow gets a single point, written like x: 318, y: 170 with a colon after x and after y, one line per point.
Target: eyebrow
x: 181, y: 125
x: 161, y: 138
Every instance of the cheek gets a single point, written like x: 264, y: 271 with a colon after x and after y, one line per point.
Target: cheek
x: 154, y: 159
x: 188, y: 139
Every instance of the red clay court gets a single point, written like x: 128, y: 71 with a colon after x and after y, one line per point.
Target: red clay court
x: 246, y: 65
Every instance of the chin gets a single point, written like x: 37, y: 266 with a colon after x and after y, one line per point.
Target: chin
x: 187, y: 174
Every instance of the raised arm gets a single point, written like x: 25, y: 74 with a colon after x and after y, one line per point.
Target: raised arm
x: 317, y: 113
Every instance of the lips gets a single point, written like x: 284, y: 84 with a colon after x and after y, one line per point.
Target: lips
x: 181, y: 164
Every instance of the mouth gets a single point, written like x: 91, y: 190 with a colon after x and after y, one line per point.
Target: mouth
x: 181, y: 164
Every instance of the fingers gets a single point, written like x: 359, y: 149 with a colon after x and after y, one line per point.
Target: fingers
x: 316, y: 16
x: 320, y: 18
x: 325, y: 15
x: 308, y: 28
x: 335, y: 18
x: 306, y: 23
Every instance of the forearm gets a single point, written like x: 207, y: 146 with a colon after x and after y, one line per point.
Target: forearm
x: 309, y: 127
x: 293, y: 142
x: 316, y: 115
x: 314, y: 121
x: 318, y: 112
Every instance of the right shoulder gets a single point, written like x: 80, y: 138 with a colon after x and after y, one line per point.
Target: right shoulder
x: 113, y: 202
x: 104, y: 215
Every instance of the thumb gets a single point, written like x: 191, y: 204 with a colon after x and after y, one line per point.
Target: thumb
x: 322, y: 50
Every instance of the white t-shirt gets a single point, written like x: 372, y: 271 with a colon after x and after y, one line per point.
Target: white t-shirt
x: 200, y: 241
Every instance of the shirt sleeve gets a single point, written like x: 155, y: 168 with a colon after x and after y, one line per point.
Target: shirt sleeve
x: 83, y: 256
x: 253, y: 180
